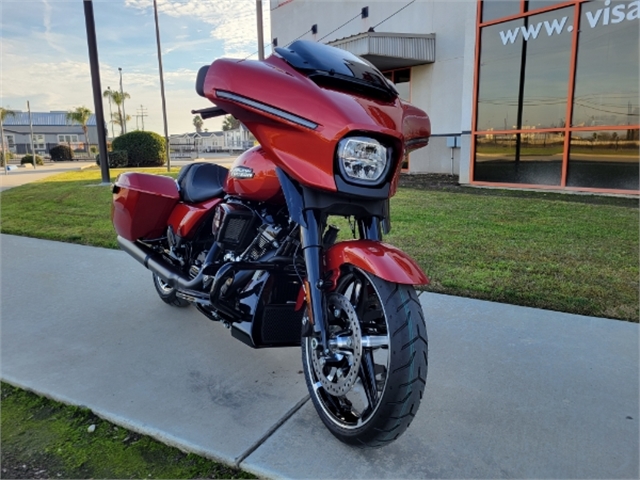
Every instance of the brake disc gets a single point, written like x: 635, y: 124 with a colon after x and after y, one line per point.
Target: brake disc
x: 338, y: 371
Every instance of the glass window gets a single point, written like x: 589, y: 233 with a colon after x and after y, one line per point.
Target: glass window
x: 499, y: 76
x: 606, y: 91
x: 536, y: 4
x: 11, y: 140
x: 526, y: 158
x: 494, y: 9
x: 604, y: 159
x: 402, y: 81
x: 546, y: 79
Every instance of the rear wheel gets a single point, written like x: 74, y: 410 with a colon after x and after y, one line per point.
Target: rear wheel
x: 167, y: 293
x: 367, y: 389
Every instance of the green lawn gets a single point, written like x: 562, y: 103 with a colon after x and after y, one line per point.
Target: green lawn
x: 562, y: 252
x: 45, y: 439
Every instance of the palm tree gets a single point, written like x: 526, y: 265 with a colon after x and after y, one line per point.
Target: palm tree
x: 118, y: 98
x: 230, y: 123
x: 81, y: 115
x: 197, y: 122
x: 4, y: 113
x: 117, y: 119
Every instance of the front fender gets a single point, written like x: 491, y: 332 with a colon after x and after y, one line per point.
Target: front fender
x: 380, y: 259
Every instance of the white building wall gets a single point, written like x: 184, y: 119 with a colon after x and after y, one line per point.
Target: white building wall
x: 443, y: 89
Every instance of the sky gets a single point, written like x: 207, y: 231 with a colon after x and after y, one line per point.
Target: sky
x: 44, y: 57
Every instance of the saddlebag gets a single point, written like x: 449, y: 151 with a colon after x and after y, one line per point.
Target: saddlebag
x: 142, y: 204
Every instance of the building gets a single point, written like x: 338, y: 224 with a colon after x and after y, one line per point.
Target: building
x: 238, y: 139
x: 212, y: 141
x: 523, y: 93
x: 192, y: 143
x: 49, y: 129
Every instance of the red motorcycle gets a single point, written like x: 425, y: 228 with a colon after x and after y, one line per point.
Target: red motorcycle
x: 251, y: 247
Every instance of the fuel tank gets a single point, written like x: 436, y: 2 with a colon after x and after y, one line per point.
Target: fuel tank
x: 253, y: 177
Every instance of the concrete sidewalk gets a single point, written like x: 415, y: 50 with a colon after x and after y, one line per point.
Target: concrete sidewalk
x: 512, y: 392
x: 22, y: 175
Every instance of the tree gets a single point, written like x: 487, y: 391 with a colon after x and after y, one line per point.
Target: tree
x: 118, y: 98
x: 197, y: 122
x: 230, y: 123
x: 4, y: 113
x: 81, y: 115
x: 117, y: 119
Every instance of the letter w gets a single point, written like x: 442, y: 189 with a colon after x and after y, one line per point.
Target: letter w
x: 531, y: 31
x: 555, y: 26
x: 510, y: 36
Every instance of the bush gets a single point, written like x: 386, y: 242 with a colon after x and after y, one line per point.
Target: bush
x: 61, y: 152
x: 9, y: 157
x: 145, y: 149
x: 93, y: 149
x: 29, y: 159
x: 117, y: 159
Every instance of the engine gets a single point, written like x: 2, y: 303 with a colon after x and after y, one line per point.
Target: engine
x: 244, y: 233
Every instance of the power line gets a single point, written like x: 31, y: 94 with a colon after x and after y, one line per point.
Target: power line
x: 345, y: 23
x: 140, y: 114
x: 393, y: 14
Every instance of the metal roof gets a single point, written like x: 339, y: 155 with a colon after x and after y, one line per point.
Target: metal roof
x: 43, y: 118
x: 391, y: 50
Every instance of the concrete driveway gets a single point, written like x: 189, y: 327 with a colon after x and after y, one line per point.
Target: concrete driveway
x: 21, y: 175
x: 512, y: 392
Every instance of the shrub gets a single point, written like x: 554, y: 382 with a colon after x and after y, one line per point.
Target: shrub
x: 9, y: 157
x: 61, y: 152
x: 117, y: 159
x: 29, y: 159
x: 93, y: 149
x: 145, y: 149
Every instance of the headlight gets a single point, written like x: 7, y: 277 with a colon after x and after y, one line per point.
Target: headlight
x: 362, y: 159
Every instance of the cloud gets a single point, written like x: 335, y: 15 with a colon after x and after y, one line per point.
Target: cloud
x: 231, y: 21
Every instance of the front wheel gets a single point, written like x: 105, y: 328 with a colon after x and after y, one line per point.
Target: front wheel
x: 368, y: 387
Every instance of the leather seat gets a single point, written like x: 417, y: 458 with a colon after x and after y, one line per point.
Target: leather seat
x: 201, y: 181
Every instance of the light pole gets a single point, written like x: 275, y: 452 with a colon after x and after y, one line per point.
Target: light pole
x: 164, y: 103
x: 111, y: 113
x: 124, y: 114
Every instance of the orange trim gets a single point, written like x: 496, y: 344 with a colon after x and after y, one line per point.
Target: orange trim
x: 522, y: 6
x: 532, y: 12
x: 548, y: 130
x: 520, y: 186
x: 572, y: 82
x: 476, y: 83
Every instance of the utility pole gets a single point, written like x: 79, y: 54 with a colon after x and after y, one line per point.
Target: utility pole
x: 33, y: 150
x: 141, y: 113
x: 164, y: 103
x: 5, y: 158
x: 260, y: 34
x: 97, y: 90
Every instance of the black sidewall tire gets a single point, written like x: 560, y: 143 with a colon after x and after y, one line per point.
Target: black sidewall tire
x: 407, y: 370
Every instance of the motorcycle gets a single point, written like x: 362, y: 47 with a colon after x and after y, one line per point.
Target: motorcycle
x: 252, y: 247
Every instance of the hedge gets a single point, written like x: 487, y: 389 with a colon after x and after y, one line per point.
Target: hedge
x: 117, y: 159
x: 144, y: 149
x: 61, y: 152
x: 9, y: 157
x: 29, y: 159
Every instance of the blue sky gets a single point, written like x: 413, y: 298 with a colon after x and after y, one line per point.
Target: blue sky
x: 44, y: 59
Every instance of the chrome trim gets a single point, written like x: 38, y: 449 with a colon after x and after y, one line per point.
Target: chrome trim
x: 267, y: 108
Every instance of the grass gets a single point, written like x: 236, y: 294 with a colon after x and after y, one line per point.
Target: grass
x: 45, y: 439
x: 570, y: 253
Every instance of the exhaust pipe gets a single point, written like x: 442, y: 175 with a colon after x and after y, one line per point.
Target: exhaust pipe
x: 158, y: 265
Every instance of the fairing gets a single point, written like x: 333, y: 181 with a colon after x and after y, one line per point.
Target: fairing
x: 299, y: 123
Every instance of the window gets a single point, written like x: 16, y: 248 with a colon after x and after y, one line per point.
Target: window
x: 606, y: 91
x: 38, y: 141
x: 402, y: 81
x: 558, y: 94
x: 68, y: 138
x: 11, y: 140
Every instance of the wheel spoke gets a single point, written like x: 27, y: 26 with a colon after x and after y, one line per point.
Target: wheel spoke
x: 368, y: 378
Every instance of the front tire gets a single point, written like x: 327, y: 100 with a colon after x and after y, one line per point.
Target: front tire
x: 168, y: 294
x: 391, y: 367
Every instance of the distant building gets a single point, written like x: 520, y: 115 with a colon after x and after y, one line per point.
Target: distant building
x: 238, y: 139
x: 49, y: 129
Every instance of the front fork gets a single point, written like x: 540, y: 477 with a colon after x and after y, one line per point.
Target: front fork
x: 311, y: 239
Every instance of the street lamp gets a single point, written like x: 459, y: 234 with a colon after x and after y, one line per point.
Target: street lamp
x: 111, y: 114
x: 124, y: 114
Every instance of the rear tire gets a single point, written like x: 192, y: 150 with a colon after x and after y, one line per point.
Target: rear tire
x: 374, y: 415
x: 168, y: 294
